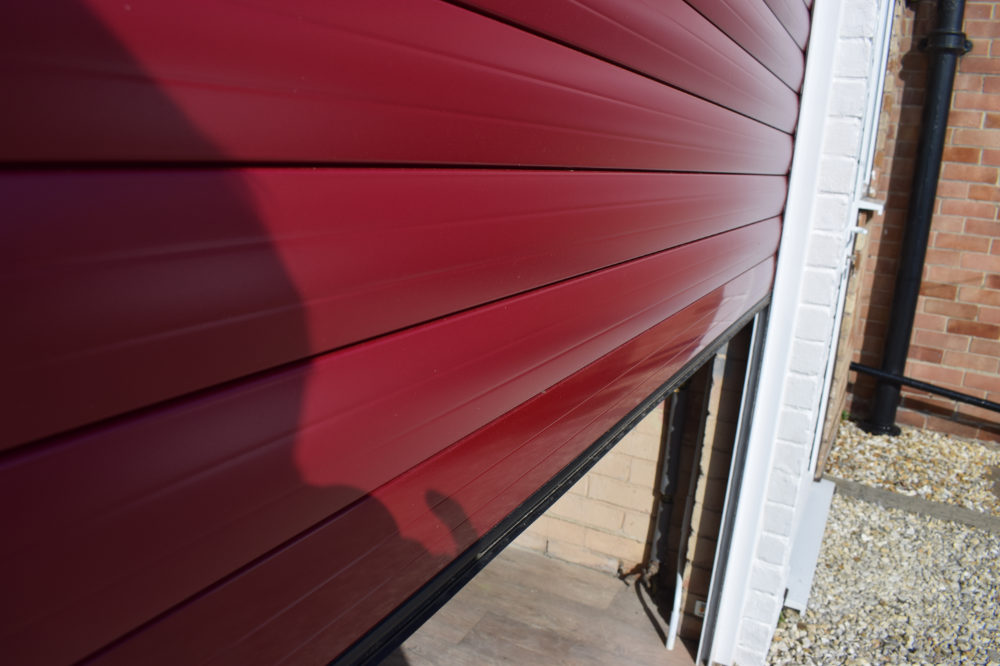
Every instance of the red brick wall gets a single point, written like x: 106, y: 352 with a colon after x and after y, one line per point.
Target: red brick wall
x: 956, y: 339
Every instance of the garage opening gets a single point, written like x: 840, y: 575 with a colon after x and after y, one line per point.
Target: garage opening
x: 638, y: 543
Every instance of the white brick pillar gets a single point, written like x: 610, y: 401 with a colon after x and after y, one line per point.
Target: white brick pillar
x: 803, y: 327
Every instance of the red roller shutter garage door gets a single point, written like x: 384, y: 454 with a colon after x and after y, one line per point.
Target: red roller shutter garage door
x: 311, y: 304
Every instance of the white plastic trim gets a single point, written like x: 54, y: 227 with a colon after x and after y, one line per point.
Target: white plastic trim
x: 873, y: 105
x: 803, y: 184
x: 867, y: 203
x: 808, y: 540
x: 746, y: 402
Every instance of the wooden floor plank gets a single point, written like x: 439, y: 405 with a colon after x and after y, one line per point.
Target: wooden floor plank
x: 526, y: 608
x: 552, y: 577
x: 500, y: 634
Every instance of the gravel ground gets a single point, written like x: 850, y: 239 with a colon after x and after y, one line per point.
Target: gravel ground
x: 894, y: 587
x: 920, y: 463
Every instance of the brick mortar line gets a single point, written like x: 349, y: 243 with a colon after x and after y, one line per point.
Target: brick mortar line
x: 593, y: 528
x: 918, y: 505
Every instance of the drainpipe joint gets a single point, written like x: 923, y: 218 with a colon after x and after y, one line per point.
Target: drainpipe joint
x: 946, y: 41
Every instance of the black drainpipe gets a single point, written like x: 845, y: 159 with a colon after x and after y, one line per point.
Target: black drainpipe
x: 945, y: 44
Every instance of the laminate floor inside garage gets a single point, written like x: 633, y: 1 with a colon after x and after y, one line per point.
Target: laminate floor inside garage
x: 525, y: 608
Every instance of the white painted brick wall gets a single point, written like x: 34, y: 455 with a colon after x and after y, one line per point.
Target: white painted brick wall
x: 811, y: 355
x: 826, y: 250
x: 819, y: 287
x: 764, y: 577
x: 779, y: 519
x: 784, y: 488
x: 854, y: 54
x: 831, y: 210
x: 813, y: 333
x: 813, y: 325
x: 836, y: 174
x: 789, y: 457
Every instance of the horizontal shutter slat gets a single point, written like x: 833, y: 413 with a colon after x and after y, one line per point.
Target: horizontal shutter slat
x: 327, y: 81
x: 752, y: 25
x: 125, y: 277
x: 666, y: 40
x: 794, y: 16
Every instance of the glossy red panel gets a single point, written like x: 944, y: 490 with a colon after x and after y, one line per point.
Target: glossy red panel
x: 414, y: 525
x: 752, y: 25
x: 334, y: 81
x: 195, y: 490
x: 667, y: 40
x: 259, y: 386
x: 794, y: 16
x: 124, y: 277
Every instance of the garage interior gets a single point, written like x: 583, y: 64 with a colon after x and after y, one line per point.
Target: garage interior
x: 540, y: 601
